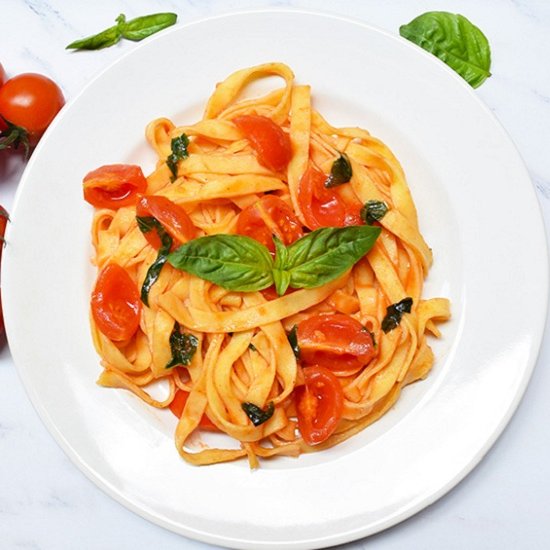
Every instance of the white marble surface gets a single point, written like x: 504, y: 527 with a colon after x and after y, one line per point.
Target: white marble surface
x: 46, y: 503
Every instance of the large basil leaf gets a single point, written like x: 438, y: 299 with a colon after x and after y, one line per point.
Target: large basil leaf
x: 327, y: 253
x: 454, y: 40
x: 234, y: 262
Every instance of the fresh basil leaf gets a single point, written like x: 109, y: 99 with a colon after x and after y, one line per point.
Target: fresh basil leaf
x: 135, y: 29
x: 373, y: 211
x: 394, y: 312
x: 235, y: 262
x: 293, y: 340
x: 340, y: 172
x: 179, y: 152
x: 108, y: 37
x: 142, y: 27
x: 183, y: 346
x: 146, y: 224
x: 257, y: 415
x: 454, y: 40
x: 326, y: 253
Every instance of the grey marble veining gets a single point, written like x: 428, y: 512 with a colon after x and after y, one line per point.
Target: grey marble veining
x: 47, y: 504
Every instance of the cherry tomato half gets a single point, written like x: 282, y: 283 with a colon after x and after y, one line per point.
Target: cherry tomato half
x: 267, y: 217
x: 114, y: 185
x: 326, y: 207
x: 271, y: 143
x: 178, y: 404
x: 319, y: 404
x: 171, y: 216
x: 31, y: 101
x: 336, y: 341
x: 116, y: 305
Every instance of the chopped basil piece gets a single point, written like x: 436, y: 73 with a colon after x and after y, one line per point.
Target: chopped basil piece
x: 252, y: 347
x: 373, y: 211
x: 340, y: 172
x: 146, y: 224
x: 256, y: 414
x: 395, y: 312
x: 183, y: 346
x: 293, y: 340
x: 179, y: 152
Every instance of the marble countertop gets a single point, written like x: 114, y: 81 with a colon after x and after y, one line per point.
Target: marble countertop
x: 46, y: 503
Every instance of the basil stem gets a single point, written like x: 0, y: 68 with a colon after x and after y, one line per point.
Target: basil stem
x: 340, y: 172
x: 183, y: 346
x: 454, y: 40
x: 373, y: 211
x: 135, y: 29
x: 257, y: 415
x: 179, y: 152
x: 394, y: 312
x: 145, y: 225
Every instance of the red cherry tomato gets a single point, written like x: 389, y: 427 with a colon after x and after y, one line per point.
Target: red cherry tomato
x: 267, y: 217
x: 271, y: 143
x: 4, y: 217
x: 116, y: 304
x: 2, y: 75
x: 114, y: 185
x: 178, y: 404
x: 326, y: 207
x: 170, y: 215
x: 335, y: 340
x: 319, y: 404
x: 31, y: 101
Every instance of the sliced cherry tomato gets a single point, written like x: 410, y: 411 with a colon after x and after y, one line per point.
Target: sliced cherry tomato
x: 171, y: 216
x: 178, y: 404
x: 267, y: 217
x: 335, y: 340
x: 30, y: 101
x: 116, y: 305
x: 319, y: 404
x: 326, y: 207
x: 114, y: 185
x: 271, y: 143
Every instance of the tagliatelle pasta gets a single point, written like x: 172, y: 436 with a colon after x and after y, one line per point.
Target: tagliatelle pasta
x: 243, y: 359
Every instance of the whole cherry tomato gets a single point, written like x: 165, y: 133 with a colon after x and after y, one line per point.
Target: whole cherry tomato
x: 114, y: 185
x: 178, y: 404
x: 271, y: 143
x: 170, y: 215
x: 29, y: 102
x: 326, y: 207
x: 336, y: 341
x: 267, y: 217
x: 2, y: 75
x: 116, y: 304
x: 319, y: 404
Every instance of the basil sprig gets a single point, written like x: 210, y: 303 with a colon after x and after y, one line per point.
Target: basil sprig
x: 454, y: 40
x: 179, y: 152
x: 340, y: 172
x: 373, y: 211
x: 394, y: 312
x: 146, y: 224
x: 135, y: 29
x: 183, y: 346
x: 240, y: 263
x: 257, y: 415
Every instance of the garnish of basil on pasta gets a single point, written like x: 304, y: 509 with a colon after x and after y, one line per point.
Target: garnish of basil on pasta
x: 240, y: 263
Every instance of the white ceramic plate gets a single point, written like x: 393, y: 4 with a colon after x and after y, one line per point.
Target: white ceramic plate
x: 469, y: 184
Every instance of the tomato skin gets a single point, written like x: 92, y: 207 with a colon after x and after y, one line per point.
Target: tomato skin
x: 271, y: 143
x: 178, y: 404
x: 335, y: 340
x: 2, y: 75
x: 170, y: 215
x: 114, y: 185
x: 326, y: 207
x: 319, y: 404
x: 4, y: 218
x: 267, y: 217
x: 31, y: 101
x: 116, y: 304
